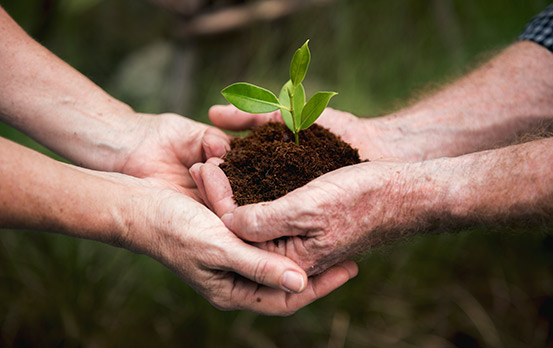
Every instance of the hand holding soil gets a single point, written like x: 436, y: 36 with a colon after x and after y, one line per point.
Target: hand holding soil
x: 193, y: 242
x: 326, y: 220
x: 370, y: 136
x: 165, y: 146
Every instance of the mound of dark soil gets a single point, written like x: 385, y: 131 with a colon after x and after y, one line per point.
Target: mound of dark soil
x: 267, y: 163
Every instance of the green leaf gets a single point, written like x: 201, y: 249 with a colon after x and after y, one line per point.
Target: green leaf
x: 251, y: 98
x: 314, y: 108
x: 299, y: 103
x: 284, y: 98
x: 299, y: 64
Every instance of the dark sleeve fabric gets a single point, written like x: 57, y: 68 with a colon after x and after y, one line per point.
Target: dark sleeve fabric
x: 540, y: 29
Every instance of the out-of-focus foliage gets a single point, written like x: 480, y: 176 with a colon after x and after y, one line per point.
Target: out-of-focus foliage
x: 475, y: 288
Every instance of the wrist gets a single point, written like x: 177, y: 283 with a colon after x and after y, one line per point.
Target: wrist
x: 383, y: 139
x: 410, y: 198
x: 105, y: 136
x: 122, y: 134
x: 431, y: 190
x: 408, y: 135
x: 100, y: 206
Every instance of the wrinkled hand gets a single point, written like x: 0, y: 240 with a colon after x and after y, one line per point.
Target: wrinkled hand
x: 321, y: 235
x: 324, y: 222
x: 189, y: 239
x: 366, y: 135
x: 171, y: 226
x: 165, y: 146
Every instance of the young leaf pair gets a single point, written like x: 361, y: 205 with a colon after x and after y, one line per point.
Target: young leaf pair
x: 296, y: 113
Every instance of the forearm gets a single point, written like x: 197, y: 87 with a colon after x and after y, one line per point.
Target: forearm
x: 510, y: 95
x: 42, y: 194
x: 56, y: 105
x: 510, y: 185
x: 504, y: 186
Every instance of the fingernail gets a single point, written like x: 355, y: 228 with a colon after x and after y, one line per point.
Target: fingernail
x: 292, y: 281
x: 227, y: 220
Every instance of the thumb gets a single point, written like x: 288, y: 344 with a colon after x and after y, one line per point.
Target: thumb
x: 266, y: 268
x: 215, y: 143
x: 215, y: 188
x: 262, y: 222
x: 286, y: 216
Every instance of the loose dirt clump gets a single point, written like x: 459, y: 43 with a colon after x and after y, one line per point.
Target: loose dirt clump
x: 267, y: 164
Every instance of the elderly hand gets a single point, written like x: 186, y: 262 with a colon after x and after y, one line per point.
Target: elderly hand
x: 332, y: 217
x: 314, y: 255
x: 153, y: 217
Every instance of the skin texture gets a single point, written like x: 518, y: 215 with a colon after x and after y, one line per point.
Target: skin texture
x: 493, y: 106
x: 153, y: 217
x: 355, y: 208
x: 152, y: 205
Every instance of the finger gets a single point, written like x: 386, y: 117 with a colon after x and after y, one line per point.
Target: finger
x: 215, y: 161
x: 270, y: 301
x: 389, y: 159
x: 266, y: 268
x: 262, y: 222
x: 331, y: 116
x: 217, y: 189
x: 230, y: 118
x: 350, y: 266
x: 215, y: 143
x: 197, y: 177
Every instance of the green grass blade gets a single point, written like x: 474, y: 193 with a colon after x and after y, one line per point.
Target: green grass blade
x: 251, y: 98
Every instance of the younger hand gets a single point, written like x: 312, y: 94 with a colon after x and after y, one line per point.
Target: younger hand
x: 165, y: 147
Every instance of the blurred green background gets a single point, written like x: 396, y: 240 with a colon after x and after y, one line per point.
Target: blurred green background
x: 473, y: 288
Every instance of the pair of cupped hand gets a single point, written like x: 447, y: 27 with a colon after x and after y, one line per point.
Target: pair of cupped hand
x: 303, y: 224
x: 273, y: 257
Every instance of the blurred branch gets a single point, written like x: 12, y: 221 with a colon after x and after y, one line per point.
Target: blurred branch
x: 241, y: 16
x: 339, y: 330
x: 182, y: 7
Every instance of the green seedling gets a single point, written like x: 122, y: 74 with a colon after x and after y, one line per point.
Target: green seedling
x: 296, y: 113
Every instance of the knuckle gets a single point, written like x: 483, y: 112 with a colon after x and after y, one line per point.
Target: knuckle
x: 249, y: 221
x: 222, y: 302
x: 291, y: 307
x: 259, y: 219
x: 310, y: 219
